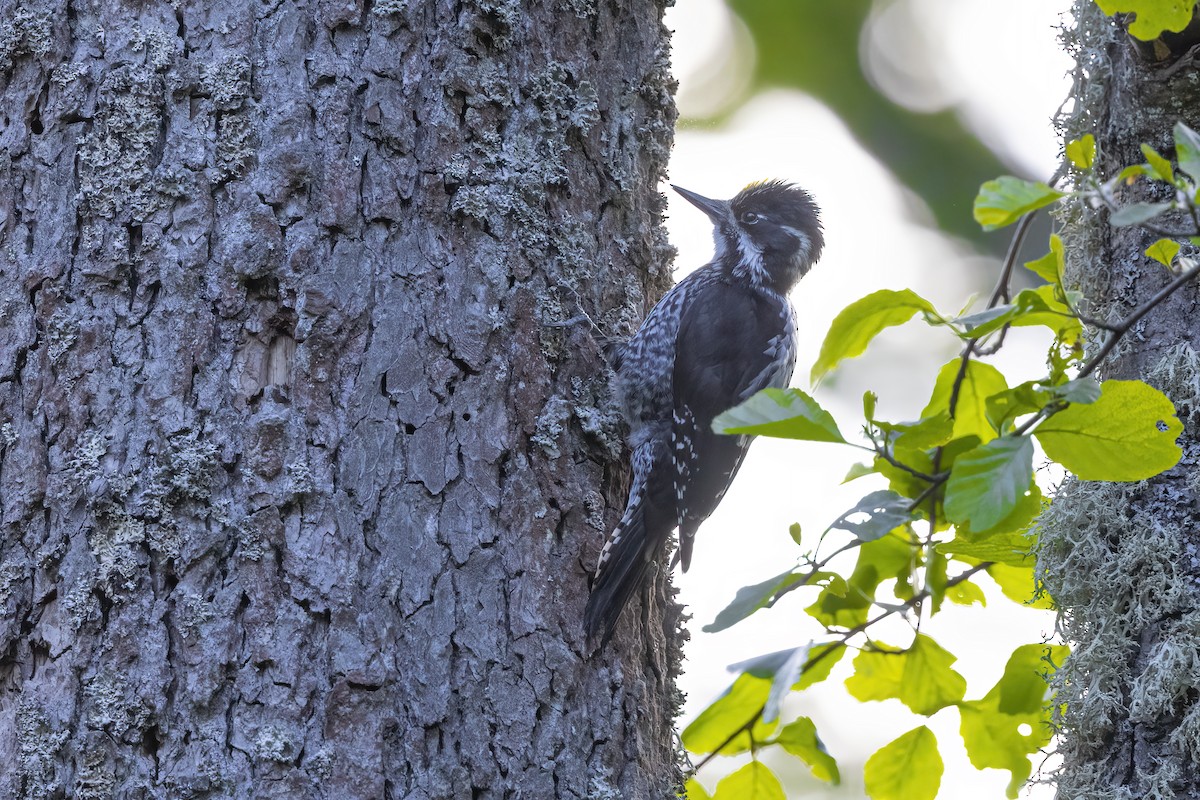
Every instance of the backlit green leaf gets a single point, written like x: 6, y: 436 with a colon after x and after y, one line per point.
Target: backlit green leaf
x: 1160, y: 166
x: 781, y: 413
x: 694, y: 791
x: 847, y: 606
x: 965, y: 593
x: 1018, y: 584
x: 821, y: 660
x: 801, y: 740
x: 755, y: 781
x: 926, y: 433
x: 1128, y: 434
x: 740, y: 703
x: 1049, y: 267
x: 980, y: 382
x: 1028, y: 507
x: 1030, y: 307
x: 1153, y: 16
x: 1163, y: 251
x: 986, y: 483
x: 1012, y: 547
x: 1005, y: 200
x: 1082, y: 151
x: 919, y: 677
x: 861, y: 321
x: 1005, y: 407
x: 1012, y: 720
x: 858, y: 471
x: 908, y: 768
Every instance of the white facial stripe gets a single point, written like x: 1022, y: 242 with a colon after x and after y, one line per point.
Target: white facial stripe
x: 751, y: 258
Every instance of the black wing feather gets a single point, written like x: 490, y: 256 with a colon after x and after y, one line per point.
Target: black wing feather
x: 722, y: 357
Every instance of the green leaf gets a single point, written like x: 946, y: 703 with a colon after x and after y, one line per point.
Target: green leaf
x: 780, y: 413
x: 1005, y: 200
x: 861, y: 321
x: 907, y: 768
x: 885, y: 510
x: 869, y: 401
x: 965, y: 593
x: 858, y: 471
x: 1153, y: 16
x: 1031, y: 307
x: 1040, y: 307
x: 1187, y: 150
x: 786, y: 674
x: 801, y: 740
x: 925, y: 433
x: 986, y: 483
x: 1163, y: 251
x: 816, y: 668
x: 1028, y: 507
x: 1080, y: 390
x: 727, y: 714
x: 751, y: 598
x: 1018, y: 584
x: 1136, y: 214
x: 1005, y: 407
x: 752, y: 782
x: 847, y: 606
x: 980, y: 382
x: 1012, y: 720
x: 1050, y: 266
x: 1160, y: 167
x: 794, y: 532
x: 1128, y: 174
x: 1023, y: 689
x: 785, y: 677
x: 1082, y: 151
x: 821, y: 660
x: 1126, y: 435
x: 692, y: 790
x: 785, y: 668
x: 1012, y: 547
x: 920, y: 677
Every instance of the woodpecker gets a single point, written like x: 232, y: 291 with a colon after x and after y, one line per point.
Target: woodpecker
x: 719, y: 336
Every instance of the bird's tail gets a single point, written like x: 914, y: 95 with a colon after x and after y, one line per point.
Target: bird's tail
x: 626, y: 558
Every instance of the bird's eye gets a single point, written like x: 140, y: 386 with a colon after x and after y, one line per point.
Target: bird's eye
x: 749, y: 217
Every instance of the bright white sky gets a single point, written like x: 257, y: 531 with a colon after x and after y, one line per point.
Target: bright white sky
x: 877, y: 236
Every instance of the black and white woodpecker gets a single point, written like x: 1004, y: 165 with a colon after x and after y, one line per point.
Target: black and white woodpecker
x: 719, y: 336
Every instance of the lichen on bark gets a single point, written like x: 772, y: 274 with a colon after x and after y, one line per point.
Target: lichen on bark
x: 299, y: 490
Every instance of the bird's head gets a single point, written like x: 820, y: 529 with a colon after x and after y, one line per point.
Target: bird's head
x: 769, y: 234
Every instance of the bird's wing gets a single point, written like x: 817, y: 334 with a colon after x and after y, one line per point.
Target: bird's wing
x: 732, y: 343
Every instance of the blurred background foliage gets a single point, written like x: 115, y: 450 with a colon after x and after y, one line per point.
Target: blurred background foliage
x: 878, y: 66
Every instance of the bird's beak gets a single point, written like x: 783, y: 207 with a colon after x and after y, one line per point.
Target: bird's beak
x: 715, y: 209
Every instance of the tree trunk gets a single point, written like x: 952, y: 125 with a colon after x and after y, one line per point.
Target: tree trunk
x: 299, y: 490
x: 1122, y: 560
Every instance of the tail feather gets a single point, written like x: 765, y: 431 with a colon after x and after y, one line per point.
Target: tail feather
x: 620, y: 574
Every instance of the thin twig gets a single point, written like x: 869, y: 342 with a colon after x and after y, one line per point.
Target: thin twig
x: 1123, y: 327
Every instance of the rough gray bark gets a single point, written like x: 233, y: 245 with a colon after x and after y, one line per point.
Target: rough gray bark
x: 298, y: 491
x: 1122, y: 560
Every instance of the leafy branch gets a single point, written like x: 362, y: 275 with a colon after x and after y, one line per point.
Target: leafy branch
x: 960, y: 489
